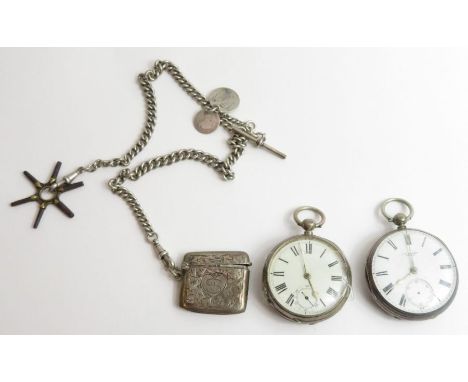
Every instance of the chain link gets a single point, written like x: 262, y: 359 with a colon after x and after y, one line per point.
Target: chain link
x: 237, y: 144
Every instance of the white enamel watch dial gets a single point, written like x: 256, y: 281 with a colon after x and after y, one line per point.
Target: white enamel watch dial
x: 414, y: 272
x: 411, y: 273
x: 307, y: 278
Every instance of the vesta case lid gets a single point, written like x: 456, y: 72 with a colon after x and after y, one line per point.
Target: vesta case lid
x: 216, y: 259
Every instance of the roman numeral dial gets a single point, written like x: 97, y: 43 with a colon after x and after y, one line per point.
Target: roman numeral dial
x: 412, y: 271
x: 307, y: 277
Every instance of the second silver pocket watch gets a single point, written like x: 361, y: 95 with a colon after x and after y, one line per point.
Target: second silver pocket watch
x: 307, y: 278
x: 411, y: 273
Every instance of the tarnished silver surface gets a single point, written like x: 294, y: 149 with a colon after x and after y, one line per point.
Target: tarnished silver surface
x: 399, y: 219
x: 215, y: 282
x: 206, y: 121
x: 309, y: 224
x: 225, y: 98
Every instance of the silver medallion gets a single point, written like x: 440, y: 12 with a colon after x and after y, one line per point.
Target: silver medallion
x: 206, y: 122
x: 226, y: 99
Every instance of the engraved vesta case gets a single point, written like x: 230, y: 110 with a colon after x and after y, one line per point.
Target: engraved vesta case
x: 215, y: 282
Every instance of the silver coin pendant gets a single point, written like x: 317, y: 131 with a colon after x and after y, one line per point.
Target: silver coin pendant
x: 226, y: 99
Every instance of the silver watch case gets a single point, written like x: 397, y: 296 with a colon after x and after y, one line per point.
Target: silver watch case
x: 298, y: 317
x: 384, y: 304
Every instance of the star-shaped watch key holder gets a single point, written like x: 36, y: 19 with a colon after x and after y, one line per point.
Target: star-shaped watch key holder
x: 48, y: 194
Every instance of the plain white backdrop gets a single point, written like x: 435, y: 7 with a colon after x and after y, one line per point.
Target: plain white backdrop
x: 358, y: 125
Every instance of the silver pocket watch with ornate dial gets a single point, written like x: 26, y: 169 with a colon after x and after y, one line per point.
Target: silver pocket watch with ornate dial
x: 307, y: 278
x: 411, y: 273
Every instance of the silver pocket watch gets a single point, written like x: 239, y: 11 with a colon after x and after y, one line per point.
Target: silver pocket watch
x: 411, y: 273
x: 307, y: 278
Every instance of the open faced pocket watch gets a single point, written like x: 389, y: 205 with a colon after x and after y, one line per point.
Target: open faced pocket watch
x: 411, y: 273
x: 307, y: 278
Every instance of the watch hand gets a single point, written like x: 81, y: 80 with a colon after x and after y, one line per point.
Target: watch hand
x: 307, y: 298
x: 413, y: 268
x: 302, y: 258
x: 403, y: 278
x: 314, y: 293
x: 307, y: 276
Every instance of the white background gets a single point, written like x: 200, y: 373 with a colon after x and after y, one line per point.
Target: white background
x: 358, y: 125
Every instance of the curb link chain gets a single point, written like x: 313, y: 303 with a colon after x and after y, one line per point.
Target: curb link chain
x: 236, y: 142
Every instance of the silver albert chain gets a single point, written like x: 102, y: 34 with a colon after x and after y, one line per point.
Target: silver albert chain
x: 213, y: 282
